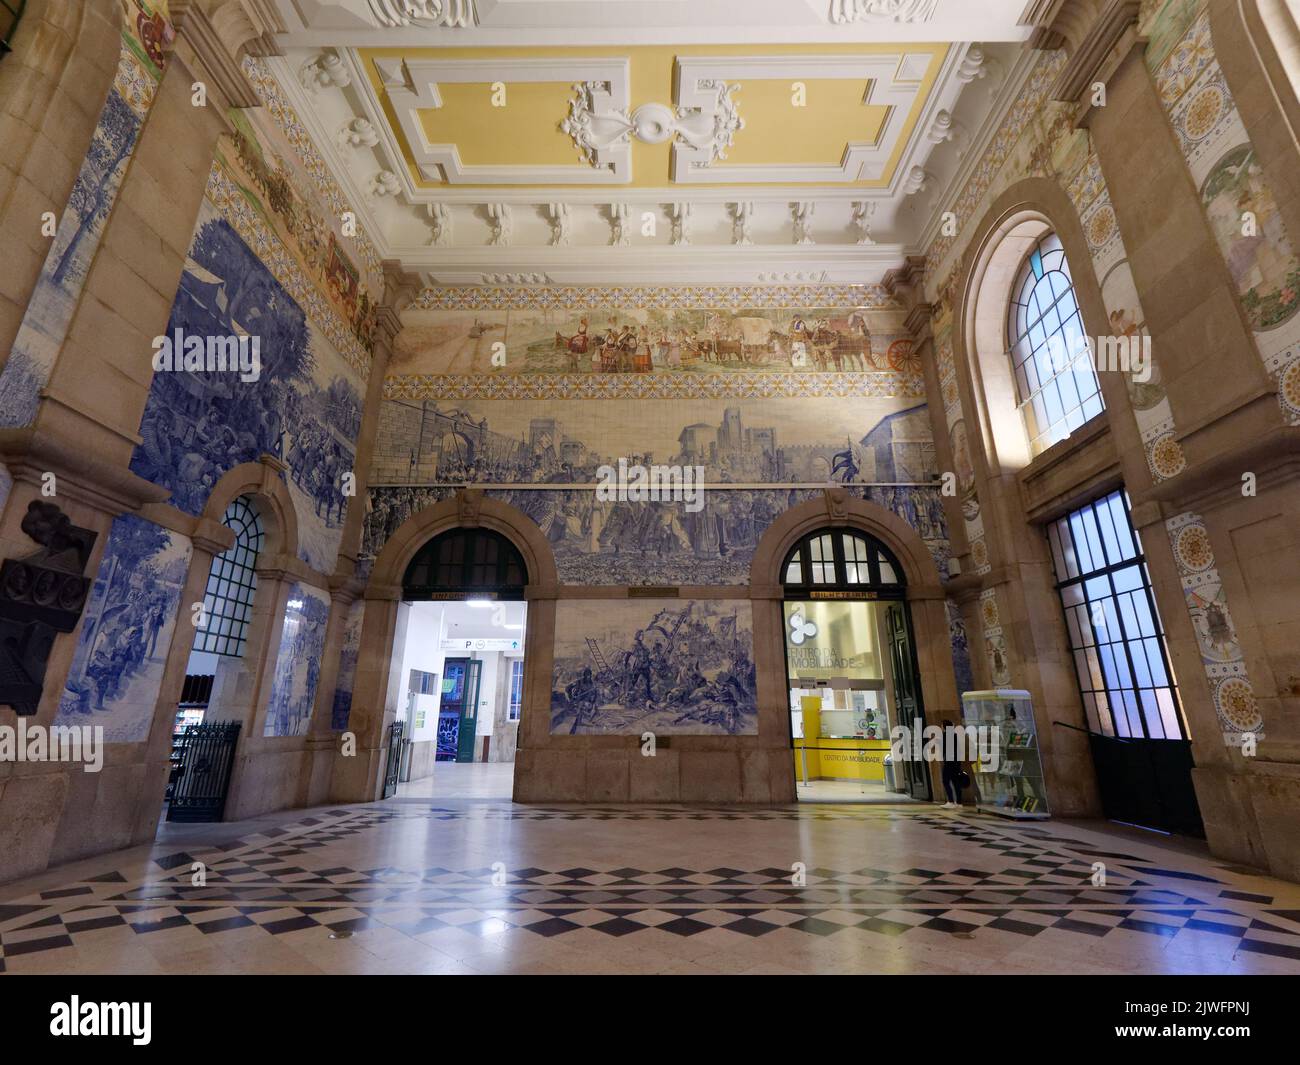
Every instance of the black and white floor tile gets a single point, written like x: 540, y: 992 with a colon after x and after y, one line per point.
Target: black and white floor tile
x: 463, y: 886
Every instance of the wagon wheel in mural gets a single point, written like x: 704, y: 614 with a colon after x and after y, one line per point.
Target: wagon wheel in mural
x: 902, y: 356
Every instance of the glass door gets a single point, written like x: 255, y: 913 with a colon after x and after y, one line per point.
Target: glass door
x: 458, y: 710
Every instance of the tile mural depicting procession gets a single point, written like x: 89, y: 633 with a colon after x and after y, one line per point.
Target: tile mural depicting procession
x: 656, y: 543
x: 673, y: 667
x: 304, y: 408
x: 769, y: 440
x: 650, y: 339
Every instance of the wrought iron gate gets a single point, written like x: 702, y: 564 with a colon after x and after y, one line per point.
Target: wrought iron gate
x: 207, y: 754
x: 394, y: 766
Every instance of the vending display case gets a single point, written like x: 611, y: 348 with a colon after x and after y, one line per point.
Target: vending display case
x: 1010, y: 781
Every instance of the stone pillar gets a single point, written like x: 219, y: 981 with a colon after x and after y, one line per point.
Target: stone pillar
x: 1228, y: 429
x: 52, y: 87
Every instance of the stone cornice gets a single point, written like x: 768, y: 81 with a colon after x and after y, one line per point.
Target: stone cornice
x: 29, y: 454
x: 1090, y: 56
x: 1273, y: 457
x: 219, y: 32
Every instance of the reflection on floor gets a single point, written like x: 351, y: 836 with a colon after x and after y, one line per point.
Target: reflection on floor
x: 868, y: 791
x: 468, y: 885
x: 463, y: 780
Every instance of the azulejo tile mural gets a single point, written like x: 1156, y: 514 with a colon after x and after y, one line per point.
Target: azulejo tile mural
x: 672, y: 667
x: 773, y: 385
x: 768, y: 441
x: 342, y: 707
x: 652, y: 339
x: 276, y: 190
x: 304, y: 407
x: 1239, y: 205
x: 297, y: 663
x: 1207, y: 604
x: 618, y: 543
x: 126, y: 631
x: 306, y: 158
x: 145, y: 31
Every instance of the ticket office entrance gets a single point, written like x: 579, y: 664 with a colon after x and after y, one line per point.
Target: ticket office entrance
x: 851, y: 670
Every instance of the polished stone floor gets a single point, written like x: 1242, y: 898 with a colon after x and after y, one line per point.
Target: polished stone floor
x: 450, y: 877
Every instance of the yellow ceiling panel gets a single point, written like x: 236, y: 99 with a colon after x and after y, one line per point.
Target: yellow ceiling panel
x: 777, y: 131
x: 525, y: 132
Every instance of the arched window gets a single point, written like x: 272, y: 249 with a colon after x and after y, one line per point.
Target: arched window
x: 232, y: 583
x: 844, y: 559
x: 467, y: 561
x: 1056, y: 382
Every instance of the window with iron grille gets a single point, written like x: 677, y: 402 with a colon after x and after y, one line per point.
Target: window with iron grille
x: 1056, y: 381
x: 1116, y: 638
x: 232, y: 583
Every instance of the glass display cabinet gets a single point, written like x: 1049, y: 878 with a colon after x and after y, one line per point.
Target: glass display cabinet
x: 1009, y: 781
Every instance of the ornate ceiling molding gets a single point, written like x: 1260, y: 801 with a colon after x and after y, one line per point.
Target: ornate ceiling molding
x: 454, y: 14
x: 701, y: 83
x: 706, y: 132
x: 412, y: 87
x: 846, y: 11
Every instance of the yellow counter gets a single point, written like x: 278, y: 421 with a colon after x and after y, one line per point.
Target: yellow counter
x: 840, y: 759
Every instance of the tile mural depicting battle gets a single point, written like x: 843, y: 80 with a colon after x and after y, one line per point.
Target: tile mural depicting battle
x: 768, y: 441
x: 651, y: 339
x: 624, y: 543
x: 668, y: 666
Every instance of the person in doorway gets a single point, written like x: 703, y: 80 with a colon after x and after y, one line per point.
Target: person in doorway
x: 952, y: 770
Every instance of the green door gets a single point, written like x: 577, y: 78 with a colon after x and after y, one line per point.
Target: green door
x: 469, y: 712
x: 458, y: 709
x: 907, y: 690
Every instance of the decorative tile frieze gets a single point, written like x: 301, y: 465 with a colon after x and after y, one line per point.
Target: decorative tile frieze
x: 225, y: 195
x: 662, y: 385
x: 665, y: 297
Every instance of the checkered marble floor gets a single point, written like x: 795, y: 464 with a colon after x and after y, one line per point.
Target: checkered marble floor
x: 484, y: 886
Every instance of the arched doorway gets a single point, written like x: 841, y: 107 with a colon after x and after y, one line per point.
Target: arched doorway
x: 460, y: 645
x: 851, y: 668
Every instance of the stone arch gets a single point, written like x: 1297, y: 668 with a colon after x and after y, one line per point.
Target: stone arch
x: 275, y: 505
x: 925, y: 598
x: 468, y: 508
x: 837, y: 509
x: 376, y: 683
x: 998, y: 246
